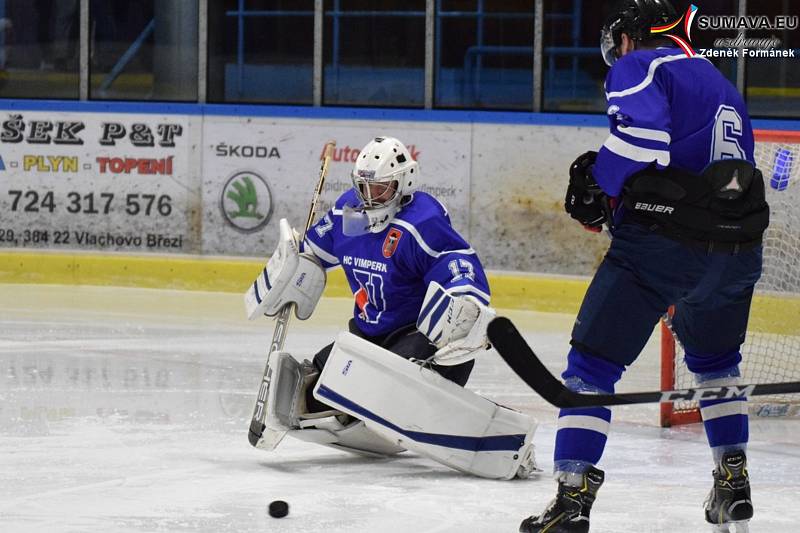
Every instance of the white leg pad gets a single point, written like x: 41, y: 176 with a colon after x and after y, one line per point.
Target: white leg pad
x: 283, y: 396
x: 420, y: 410
x: 287, y: 414
x: 283, y: 411
x: 354, y: 437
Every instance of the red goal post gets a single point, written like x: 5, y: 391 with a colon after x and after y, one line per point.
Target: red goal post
x: 772, y: 349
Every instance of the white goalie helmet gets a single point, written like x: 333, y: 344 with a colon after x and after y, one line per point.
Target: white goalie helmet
x: 384, y: 178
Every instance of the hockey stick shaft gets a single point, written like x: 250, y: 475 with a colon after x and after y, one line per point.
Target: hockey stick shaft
x: 327, y: 155
x: 512, y: 347
x: 282, y: 321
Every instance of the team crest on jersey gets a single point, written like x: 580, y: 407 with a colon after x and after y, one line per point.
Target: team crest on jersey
x: 391, y: 241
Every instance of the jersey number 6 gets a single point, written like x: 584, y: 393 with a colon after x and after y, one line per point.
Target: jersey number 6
x: 727, y: 133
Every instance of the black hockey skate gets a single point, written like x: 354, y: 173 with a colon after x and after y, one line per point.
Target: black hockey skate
x: 569, y: 511
x: 728, y: 506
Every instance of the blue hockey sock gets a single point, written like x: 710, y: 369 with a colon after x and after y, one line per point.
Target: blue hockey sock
x: 725, y: 421
x: 582, y: 433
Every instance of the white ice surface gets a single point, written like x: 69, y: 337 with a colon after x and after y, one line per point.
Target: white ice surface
x: 127, y: 410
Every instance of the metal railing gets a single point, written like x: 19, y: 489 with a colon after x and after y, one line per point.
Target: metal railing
x: 336, y: 14
x: 546, y: 59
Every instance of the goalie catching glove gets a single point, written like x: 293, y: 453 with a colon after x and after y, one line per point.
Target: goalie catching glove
x: 455, y: 324
x: 289, y: 277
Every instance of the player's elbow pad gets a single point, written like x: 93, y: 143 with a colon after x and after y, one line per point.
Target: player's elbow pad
x: 289, y: 277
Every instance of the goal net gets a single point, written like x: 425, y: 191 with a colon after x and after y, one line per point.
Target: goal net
x: 771, y: 352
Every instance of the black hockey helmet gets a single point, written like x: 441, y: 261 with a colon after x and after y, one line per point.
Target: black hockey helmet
x: 634, y: 17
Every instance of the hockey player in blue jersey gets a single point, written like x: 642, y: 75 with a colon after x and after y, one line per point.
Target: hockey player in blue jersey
x: 392, y: 242
x: 420, y: 293
x: 675, y: 180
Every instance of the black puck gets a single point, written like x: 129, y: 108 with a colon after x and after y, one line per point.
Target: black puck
x: 278, y: 509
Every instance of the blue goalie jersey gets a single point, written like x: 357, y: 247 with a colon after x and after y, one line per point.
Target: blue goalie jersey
x: 389, y: 272
x: 671, y: 110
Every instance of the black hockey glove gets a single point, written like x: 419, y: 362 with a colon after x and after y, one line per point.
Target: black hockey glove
x: 585, y: 202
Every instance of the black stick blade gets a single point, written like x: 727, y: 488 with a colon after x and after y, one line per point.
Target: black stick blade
x: 512, y: 347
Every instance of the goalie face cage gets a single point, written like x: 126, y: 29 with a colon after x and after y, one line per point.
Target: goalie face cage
x: 771, y: 352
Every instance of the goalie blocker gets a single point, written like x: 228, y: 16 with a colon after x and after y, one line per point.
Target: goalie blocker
x: 289, y: 277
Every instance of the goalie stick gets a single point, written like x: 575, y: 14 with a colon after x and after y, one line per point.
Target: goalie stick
x: 512, y: 347
x: 257, y: 426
